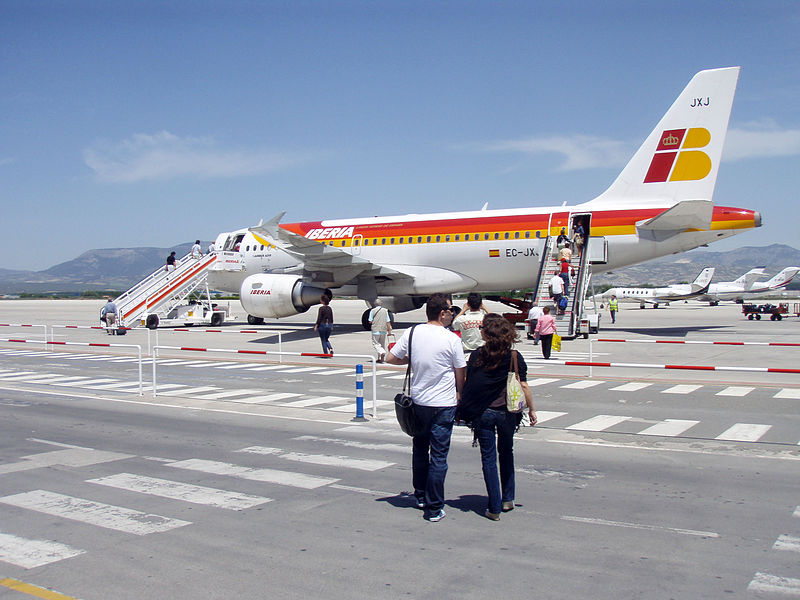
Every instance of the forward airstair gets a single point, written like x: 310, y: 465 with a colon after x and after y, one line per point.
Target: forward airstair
x: 159, y: 295
x: 580, y: 273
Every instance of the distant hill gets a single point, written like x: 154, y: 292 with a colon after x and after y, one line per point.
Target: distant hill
x: 121, y: 268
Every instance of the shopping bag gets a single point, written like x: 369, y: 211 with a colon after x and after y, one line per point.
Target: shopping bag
x: 556, y: 342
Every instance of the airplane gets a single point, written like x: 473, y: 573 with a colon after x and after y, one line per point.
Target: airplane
x: 660, y: 204
x: 654, y: 296
x: 747, y: 285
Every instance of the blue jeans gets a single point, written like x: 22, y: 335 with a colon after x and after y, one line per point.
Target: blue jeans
x: 429, y: 457
x: 324, y: 331
x: 502, y: 424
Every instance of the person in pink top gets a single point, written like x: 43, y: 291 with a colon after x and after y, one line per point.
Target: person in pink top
x: 546, y: 327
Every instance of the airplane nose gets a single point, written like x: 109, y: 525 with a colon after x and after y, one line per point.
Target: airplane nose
x: 756, y: 219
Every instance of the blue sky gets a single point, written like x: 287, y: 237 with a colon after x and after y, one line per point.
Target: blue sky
x: 154, y: 123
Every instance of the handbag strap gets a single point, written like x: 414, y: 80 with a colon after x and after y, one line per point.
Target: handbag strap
x: 407, y: 380
x: 514, y: 363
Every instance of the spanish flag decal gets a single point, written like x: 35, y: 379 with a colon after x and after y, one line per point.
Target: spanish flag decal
x: 494, y: 253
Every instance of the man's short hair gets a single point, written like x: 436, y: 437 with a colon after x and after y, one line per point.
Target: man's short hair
x: 435, y: 305
x: 474, y: 300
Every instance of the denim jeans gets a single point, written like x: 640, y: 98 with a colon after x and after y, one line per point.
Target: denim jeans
x: 429, y: 458
x: 502, y: 424
x: 324, y: 331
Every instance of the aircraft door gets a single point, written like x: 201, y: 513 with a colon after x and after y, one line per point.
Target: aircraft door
x: 356, y: 241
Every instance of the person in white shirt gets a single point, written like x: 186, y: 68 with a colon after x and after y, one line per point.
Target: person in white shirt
x: 212, y: 248
x: 437, y: 376
x: 533, y: 317
x: 381, y: 326
x: 556, y: 287
x: 197, y: 252
x: 469, y: 321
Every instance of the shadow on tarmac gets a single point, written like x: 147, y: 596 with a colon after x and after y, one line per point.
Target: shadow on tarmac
x: 466, y: 503
x: 679, y: 332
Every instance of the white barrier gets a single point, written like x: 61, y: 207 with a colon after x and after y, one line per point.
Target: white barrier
x: 184, y: 329
x: 156, y: 348
x: 92, y: 344
x: 21, y: 325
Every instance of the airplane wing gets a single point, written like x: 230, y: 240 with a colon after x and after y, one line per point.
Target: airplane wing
x: 688, y: 214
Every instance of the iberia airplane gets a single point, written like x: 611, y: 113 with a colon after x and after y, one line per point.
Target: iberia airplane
x: 660, y: 204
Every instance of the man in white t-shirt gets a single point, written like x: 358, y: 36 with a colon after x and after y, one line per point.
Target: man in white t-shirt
x: 533, y: 317
x: 197, y: 252
x: 556, y: 287
x: 469, y: 322
x: 437, y: 375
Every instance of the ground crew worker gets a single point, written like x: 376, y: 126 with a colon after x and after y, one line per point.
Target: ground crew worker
x: 613, y: 307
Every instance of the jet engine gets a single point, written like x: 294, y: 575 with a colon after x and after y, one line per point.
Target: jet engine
x: 276, y: 296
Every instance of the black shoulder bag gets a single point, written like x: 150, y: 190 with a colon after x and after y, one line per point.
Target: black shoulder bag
x: 403, y: 404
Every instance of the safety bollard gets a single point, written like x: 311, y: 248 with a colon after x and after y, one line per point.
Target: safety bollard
x: 359, y: 394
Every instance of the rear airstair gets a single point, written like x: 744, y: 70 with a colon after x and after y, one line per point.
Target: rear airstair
x: 573, y: 315
x: 157, y: 296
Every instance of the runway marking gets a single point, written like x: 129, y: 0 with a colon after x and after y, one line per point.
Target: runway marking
x: 226, y: 394
x: 336, y: 371
x: 17, y: 373
x: 351, y: 405
x: 85, y: 382
x: 669, y: 427
x: 169, y: 361
x: 353, y: 444
x: 582, y: 385
x: 633, y: 386
x: 327, y: 460
x: 192, y: 390
x: 598, y: 423
x: 29, y: 554
x: 693, y: 532
x: 744, y: 432
x: 790, y: 393
x: 175, y: 490
x: 270, y: 397
x: 116, y: 386
x: 540, y: 381
x: 315, y: 401
x: 100, y: 358
x: 735, y: 391
x: 34, y: 378
x: 787, y: 542
x: 681, y: 389
x: 267, y: 368
x: 93, y: 513
x: 241, y: 366
x: 191, y: 363
x: 300, y: 480
x: 350, y: 488
x: 303, y: 369
x: 764, y: 582
x: 542, y: 416
x: 69, y: 457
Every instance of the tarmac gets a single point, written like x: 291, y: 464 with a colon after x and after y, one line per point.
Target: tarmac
x: 683, y: 342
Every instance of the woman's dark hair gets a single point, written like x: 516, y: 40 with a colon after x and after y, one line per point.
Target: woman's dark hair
x: 500, y: 336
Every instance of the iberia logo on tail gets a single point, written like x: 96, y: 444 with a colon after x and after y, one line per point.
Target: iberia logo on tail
x: 691, y: 164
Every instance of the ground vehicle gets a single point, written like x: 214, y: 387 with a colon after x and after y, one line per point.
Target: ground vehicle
x: 775, y: 312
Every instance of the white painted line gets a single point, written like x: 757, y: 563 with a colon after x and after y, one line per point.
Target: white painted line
x: 315, y: 401
x: 125, y: 360
x: 33, y: 378
x: 796, y: 512
x: 93, y: 513
x: 241, y: 366
x: 301, y: 480
x: 681, y: 389
x: 86, y: 382
x: 33, y: 553
x: 790, y: 393
x: 191, y: 390
x: 175, y: 490
x: 542, y: 416
x: 270, y: 397
x: 744, y: 432
x: 764, y: 582
x: 709, y: 534
x: 406, y: 449
x: 335, y: 371
x: 582, y: 385
x: 358, y: 490
x: 401, y: 376
x: 787, y: 542
x: 101, y: 358
x: 598, y: 423
x: 223, y: 394
x: 218, y: 365
x: 17, y: 374
x: 669, y: 427
x: 328, y: 460
x: 303, y: 369
x: 633, y: 386
x: 540, y: 381
x: 191, y: 363
x: 170, y: 361
x: 735, y: 391
x: 267, y: 368
x: 351, y: 406
x: 70, y: 457
x: 116, y: 386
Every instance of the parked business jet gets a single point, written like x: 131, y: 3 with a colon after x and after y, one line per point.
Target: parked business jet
x: 660, y: 204
x: 747, y: 285
x: 655, y: 296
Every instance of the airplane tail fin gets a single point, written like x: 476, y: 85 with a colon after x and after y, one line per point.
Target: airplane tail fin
x: 747, y: 280
x: 782, y: 279
x: 680, y: 159
x: 701, y: 283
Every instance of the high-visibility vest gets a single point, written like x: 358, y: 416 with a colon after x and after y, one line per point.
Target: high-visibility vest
x: 612, y: 305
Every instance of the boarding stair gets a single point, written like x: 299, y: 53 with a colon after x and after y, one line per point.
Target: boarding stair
x: 549, y: 266
x: 162, y: 291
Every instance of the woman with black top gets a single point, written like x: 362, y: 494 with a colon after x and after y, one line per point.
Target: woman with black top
x: 324, y: 324
x: 484, y: 395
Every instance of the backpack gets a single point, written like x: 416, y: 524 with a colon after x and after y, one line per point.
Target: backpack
x: 562, y: 304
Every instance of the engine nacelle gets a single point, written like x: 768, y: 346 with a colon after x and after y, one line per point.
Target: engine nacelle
x: 399, y: 304
x: 275, y: 296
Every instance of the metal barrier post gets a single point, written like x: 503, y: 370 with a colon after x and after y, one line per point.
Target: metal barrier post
x: 155, y: 359
x: 359, y: 393
x: 591, y: 357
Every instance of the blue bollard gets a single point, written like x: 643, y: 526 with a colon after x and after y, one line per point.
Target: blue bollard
x: 359, y: 393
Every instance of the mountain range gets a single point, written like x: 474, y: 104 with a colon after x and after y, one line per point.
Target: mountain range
x: 120, y: 268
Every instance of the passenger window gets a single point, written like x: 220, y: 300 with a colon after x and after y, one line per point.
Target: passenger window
x: 383, y: 240
x: 419, y: 239
x: 429, y: 239
x: 496, y: 236
x: 458, y: 237
x: 401, y: 240
x: 527, y: 234
x: 447, y: 238
x: 355, y: 242
x: 391, y: 241
x: 438, y: 238
x: 505, y: 235
x: 516, y: 235
x: 486, y: 236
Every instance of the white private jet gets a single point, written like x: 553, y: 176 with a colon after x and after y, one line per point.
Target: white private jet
x: 747, y: 285
x: 656, y: 296
x: 660, y: 204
